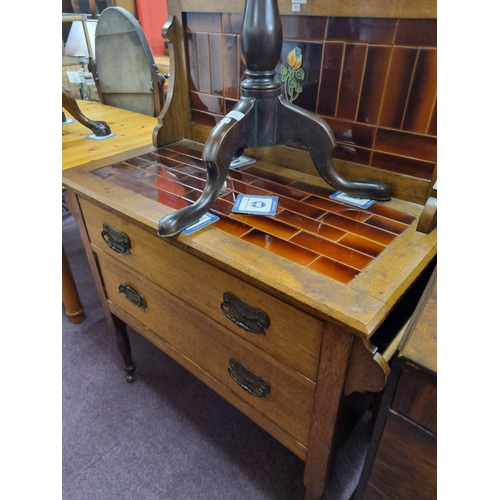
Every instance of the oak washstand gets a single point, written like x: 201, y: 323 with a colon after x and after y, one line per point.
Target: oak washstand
x: 285, y: 316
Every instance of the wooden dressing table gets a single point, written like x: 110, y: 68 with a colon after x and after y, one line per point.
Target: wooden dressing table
x: 286, y: 316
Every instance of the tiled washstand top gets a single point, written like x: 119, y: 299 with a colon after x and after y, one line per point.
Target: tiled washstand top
x: 310, y: 229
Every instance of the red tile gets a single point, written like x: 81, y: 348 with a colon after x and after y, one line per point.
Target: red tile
x: 217, y: 80
x: 200, y: 173
x: 385, y: 211
x: 350, y: 132
x: 266, y: 174
x: 418, y: 32
x: 323, y: 192
x: 406, y: 144
x: 432, y: 130
x: 231, y: 226
x: 280, y: 247
x: 362, y: 29
x: 207, y: 102
x: 104, y: 172
x: 311, y: 28
x: 337, y: 207
x: 279, y: 189
x: 138, y: 162
x: 376, y: 68
x: 402, y: 165
x: 230, y: 66
x: 351, y: 80
x: 372, y: 233
x: 203, y: 62
x: 363, y: 245
x: 231, y: 22
x: 331, y: 250
x: 386, y: 224
x: 184, y: 150
x: 268, y: 225
x: 423, y: 91
x: 236, y: 174
x: 168, y: 199
x: 333, y: 54
x: 240, y: 187
x: 397, y: 87
x: 310, y: 225
x: 193, y: 79
x: 302, y: 208
x: 334, y: 270
x: 130, y: 183
x: 136, y: 173
x: 353, y: 154
x: 205, y: 119
x: 197, y: 21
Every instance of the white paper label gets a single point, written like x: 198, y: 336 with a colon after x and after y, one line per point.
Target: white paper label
x: 236, y: 115
x: 295, y: 7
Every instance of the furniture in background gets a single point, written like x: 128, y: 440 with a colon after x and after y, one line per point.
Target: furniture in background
x: 80, y: 39
x: 98, y: 128
x: 289, y: 317
x: 402, y: 457
x: 124, y: 69
x: 132, y: 131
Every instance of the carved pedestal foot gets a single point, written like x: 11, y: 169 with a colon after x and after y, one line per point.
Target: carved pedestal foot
x: 99, y: 128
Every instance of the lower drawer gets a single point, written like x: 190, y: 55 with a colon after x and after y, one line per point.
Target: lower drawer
x: 279, y: 393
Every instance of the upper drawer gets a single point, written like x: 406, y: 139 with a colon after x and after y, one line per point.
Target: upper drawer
x: 291, y: 336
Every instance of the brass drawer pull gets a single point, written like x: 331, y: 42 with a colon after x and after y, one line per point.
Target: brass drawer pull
x: 251, y: 319
x: 116, y: 240
x: 253, y: 384
x: 132, y: 295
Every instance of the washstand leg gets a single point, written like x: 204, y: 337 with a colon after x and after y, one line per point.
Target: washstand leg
x: 323, y: 439
x: 123, y: 343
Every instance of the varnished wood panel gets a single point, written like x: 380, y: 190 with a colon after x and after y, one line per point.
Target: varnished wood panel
x: 417, y: 400
x: 405, y: 465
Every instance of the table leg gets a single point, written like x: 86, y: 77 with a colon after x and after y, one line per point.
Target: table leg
x: 123, y: 343
x: 332, y: 374
x: 70, y: 297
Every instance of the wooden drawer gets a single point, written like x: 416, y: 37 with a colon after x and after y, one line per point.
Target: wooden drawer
x: 405, y: 465
x: 212, y: 347
x: 293, y: 337
x: 416, y: 399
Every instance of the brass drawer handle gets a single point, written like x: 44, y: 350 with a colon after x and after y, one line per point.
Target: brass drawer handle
x: 251, y: 319
x: 132, y: 296
x: 253, y: 384
x: 116, y: 240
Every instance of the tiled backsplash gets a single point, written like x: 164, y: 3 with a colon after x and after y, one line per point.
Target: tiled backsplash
x: 374, y: 81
